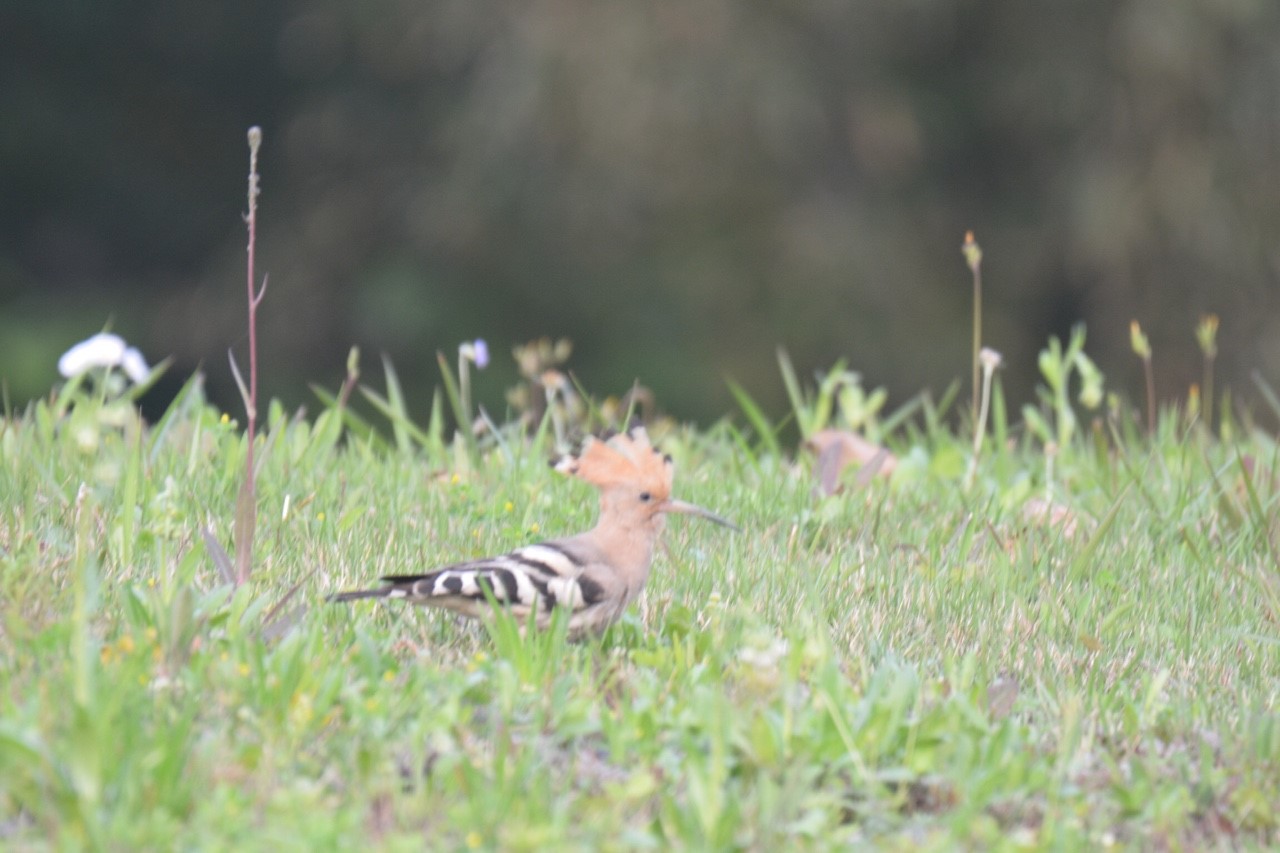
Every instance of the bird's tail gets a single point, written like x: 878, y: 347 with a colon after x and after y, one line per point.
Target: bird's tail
x: 356, y: 594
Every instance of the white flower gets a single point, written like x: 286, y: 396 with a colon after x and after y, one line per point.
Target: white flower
x: 104, y: 350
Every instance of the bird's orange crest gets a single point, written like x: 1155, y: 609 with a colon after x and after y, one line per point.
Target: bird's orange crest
x: 626, y: 459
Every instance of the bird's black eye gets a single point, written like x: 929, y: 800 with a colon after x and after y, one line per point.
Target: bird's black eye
x: 646, y: 497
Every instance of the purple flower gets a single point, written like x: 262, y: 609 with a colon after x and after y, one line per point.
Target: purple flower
x: 476, y: 351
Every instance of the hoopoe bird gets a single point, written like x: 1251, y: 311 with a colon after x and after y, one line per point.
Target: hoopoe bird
x: 594, y: 575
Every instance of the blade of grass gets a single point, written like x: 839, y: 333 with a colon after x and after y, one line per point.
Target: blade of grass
x: 274, y: 625
x: 764, y: 432
x: 900, y: 414
x: 179, y: 411
x: 594, y: 415
x: 455, y: 402
x: 795, y: 394
x: 1081, y: 560
x: 948, y: 398
x: 399, y: 417
x: 246, y: 522
x: 1268, y: 393
x: 351, y: 421
x: 503, y: 446
x: 129, y: 497
x: 451, y: 390
x: 396, y: 418
x: 739, y: 440
x: 1258, y: 514
x: 435, y: 425
x: 135, y: 392
x: 221, y: 560
x: 244, y: 389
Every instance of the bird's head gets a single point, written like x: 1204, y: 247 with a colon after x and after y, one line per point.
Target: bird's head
x: 633, y: 477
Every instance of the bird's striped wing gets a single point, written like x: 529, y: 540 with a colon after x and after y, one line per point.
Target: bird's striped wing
x: 534, y: 579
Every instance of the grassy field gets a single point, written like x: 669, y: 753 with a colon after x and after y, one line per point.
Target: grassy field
x: 1076, y: 648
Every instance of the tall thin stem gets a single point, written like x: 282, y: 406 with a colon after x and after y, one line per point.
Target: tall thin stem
x: 1150, y: 374
x: 247, y: 501
x: 990, y: 360
x: 1142, y: 349
x: 1207, y: 335
x: 1207, y: 406
x: 977, y: 336
x: 255, y: 296
x: 973, y: 257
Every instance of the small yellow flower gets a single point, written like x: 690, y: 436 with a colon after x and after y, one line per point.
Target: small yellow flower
x: 225, y: 419
x: 151, y: 583
x: 244, y: 669
x: 972, y: 251
x: 1138, y: 340
x: 320, y: 515
x: 388, y: 676
x: 125, y: 643
x: 535, y: 527
x: 509, y: 506
x: 474, y: 840
x: 455, y: 479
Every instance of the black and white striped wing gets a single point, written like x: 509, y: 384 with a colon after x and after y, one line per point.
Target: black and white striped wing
x: 535, y: 579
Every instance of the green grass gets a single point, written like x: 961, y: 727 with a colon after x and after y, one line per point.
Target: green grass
x: 906, y: 664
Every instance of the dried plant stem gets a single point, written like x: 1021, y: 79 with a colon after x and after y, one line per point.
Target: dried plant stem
x: 977, y: 338
x: 255, y: 295
x: 246, y: 501
x: 973, y: 257
x: 464, y: 396
x: 972, y: 474
x: 980, y: 426
x: 353, y: 376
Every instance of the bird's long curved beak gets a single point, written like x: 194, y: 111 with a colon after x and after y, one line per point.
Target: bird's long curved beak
x: 672, y: 505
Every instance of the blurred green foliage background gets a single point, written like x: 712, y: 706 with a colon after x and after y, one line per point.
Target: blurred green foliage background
x: 678, y: 186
